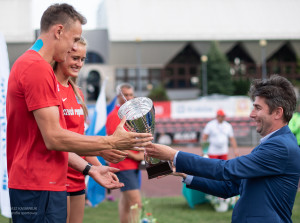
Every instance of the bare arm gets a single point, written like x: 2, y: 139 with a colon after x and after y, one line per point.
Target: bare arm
x: 57, y: 138
x: 93, y: 160
x: 205, y: 137
x: 136, y: 156
x: 113, y: 156
x: 103, y: 175
x: 76, y: 162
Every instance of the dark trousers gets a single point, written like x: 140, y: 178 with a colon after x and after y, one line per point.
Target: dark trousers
x: 28, y: 206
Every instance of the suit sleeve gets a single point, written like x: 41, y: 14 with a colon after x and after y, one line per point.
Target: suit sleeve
x: 266, y: 160
x: 224, y: 189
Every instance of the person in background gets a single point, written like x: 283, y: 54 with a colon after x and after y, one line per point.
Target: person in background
x: 129, y: 173
x: 294, y: 124
x: 267, y: 178
x: 164, y: 139
x: 217, y: 132
x: 37, y: 161
x: 75, y: 113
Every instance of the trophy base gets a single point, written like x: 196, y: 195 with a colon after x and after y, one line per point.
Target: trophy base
x: 156, y: 170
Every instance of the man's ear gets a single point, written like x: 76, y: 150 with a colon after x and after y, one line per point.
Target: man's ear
x: 58, y: 30
x: 278, y: 113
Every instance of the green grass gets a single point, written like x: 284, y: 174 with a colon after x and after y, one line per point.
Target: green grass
x: 167, y: 210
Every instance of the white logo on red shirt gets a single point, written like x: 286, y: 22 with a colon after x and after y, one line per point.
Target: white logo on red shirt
x: 63, y: 99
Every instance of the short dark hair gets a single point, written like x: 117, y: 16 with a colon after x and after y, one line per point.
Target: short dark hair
x: 60, y: 14
x: 278, y: 92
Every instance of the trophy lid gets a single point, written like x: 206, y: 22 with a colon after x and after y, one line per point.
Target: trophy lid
x: 135, y: 108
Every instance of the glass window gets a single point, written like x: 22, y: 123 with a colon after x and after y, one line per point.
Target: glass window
x: 93, y: 57
x: 181, y: 83
x: 133, y: 83
x: 169, y: 72
x: 131, y: 73
x: 155, y: 83
x: 143, y: 73
x: 155, y: 74
x: 120, y: 74
x: 145, y: 82
x: 93, y: 85
x: 181, y: 71
x: 119, y: 82
x: 170, y: 83
x: 193, y: 71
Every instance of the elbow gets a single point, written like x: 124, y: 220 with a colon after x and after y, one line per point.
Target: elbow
x: 54, y: 140
x: 51, y: 144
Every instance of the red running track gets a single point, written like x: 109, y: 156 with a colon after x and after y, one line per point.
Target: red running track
x: 170, y: 185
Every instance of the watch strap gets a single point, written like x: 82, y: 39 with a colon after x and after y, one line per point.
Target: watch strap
x: 87, y: 169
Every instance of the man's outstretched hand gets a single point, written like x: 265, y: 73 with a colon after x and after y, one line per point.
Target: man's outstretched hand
x: 161, y: 152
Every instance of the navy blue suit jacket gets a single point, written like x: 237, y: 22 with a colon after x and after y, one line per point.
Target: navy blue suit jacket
x: 266, y: 179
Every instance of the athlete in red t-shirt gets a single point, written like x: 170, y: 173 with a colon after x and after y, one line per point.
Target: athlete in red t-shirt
x: 129, y: 168
x: 73, y: 110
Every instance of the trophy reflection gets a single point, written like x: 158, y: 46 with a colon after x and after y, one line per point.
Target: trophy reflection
x: 140, y: 117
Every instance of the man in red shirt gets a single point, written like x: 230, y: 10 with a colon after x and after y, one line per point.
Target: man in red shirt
x: 129, y: 167
x: 36, y: 134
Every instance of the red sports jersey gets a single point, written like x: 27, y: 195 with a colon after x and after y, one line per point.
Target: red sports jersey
x: 31, y: 166
x: 112, y: 122
x: 74, y: 117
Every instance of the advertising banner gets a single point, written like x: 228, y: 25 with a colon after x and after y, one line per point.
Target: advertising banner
x: 4, y: 73
x: 206, y: 107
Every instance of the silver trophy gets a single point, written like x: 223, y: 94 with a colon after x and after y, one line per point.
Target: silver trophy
x: 140, y: 117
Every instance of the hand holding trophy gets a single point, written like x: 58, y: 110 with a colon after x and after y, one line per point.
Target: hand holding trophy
x: 140, y: 117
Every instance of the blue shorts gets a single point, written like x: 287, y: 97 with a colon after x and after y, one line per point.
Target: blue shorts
x: 130, y: 178
x: 81, y: 192
x: 31, y: 206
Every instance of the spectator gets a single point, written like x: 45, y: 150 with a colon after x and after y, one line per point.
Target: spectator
x: 129, y: 168
x: 294, y: 124
x: 164, y: 139
x: 217, y: 132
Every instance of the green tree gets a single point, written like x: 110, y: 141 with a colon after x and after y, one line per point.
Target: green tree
x: 241, y: 87
x: 158, y: 94
x: 218, y: 72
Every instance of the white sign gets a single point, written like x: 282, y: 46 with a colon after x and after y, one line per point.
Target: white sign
x: 206, y: 107
x: 4, y: 73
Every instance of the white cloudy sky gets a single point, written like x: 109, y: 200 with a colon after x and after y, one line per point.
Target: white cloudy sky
x: 87, y: 7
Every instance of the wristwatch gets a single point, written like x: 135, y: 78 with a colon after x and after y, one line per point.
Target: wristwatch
x: 87, y: 169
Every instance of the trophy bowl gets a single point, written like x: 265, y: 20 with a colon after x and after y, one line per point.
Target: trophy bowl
x: 140, y: 117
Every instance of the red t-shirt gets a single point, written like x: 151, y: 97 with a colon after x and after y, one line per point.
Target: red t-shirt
x: 112, y: 122
x: 74, y: 117
x: 31, y: 166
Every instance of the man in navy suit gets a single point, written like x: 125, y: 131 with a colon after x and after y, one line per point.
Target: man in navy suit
x: 267, y: 178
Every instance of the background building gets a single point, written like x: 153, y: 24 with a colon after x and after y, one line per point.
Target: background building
x: 161, y: 41
x: 153, y: 42
x: 148, y: 43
